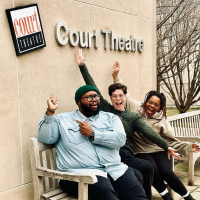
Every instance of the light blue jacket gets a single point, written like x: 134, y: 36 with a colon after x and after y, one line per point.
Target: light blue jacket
x: 76, y: 153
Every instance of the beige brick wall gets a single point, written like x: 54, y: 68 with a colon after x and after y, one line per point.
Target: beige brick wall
x: 27, y: 81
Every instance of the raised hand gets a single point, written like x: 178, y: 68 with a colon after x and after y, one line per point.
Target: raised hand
x: 52, y: 103
x: 79, y: 58
x: 115, y: 70
x: 84, y: 128
x: 170, y: 151
x: 195, y: 147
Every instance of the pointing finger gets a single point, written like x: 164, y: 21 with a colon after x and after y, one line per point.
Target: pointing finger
x: 79, y: 121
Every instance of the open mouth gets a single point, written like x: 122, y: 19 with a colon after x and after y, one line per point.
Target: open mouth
x: 118, y: 104
x: 150, y: 110
x: 93, y: 105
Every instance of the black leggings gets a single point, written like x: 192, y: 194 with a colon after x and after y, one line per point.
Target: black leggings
x: 163, y: 171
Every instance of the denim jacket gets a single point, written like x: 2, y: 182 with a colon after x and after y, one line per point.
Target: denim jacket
x: 76, y: 153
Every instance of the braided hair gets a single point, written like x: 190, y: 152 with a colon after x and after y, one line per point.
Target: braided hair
x: 162, y: 98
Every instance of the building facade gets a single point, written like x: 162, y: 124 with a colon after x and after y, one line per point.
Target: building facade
x: 28, y: 80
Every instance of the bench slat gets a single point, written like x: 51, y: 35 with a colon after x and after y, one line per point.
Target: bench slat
x: 182, y: 126
x: 183, y: 115
x: 188, y: 127
x: 52, y: 164
x: 185, y: 129
x: 178, y: 126
x: 61, y: 196
x: 196, y: 125
x: 193, y: 123
x: 189, y: 139
x: 52, y: 193
x: 44, y: 162
x: 174, y: 125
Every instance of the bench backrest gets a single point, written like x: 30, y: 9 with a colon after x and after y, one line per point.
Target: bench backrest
x: 43, y: 155
x: 186, y: 124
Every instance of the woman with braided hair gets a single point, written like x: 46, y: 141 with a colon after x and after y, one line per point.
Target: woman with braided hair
x: 153, y: 111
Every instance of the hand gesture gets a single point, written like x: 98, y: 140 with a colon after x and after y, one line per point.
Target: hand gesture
x: 84, y: 128
x: 170, y: 151
x: 79, y: 58
x: 195, y: 147
x: 115, y: 70
x: 52, y: 102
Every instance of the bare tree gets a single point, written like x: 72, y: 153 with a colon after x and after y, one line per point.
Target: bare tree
x: 178, y: 50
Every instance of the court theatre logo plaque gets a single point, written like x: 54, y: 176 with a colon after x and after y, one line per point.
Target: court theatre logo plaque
x: 26, y: 28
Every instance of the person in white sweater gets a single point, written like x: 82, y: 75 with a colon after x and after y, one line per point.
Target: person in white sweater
x: 153, y: 111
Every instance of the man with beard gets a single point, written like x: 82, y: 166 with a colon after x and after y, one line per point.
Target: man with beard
x: 87, y: 141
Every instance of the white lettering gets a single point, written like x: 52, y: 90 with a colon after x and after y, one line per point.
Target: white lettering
x: 84, y: 39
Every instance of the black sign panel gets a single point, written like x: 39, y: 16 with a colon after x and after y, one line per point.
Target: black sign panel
x: 26, y: 28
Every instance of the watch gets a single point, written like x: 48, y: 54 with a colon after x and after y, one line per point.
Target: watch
x: 92, y: 135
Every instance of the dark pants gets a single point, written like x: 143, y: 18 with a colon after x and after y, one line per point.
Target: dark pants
x: 125, y: 187
x: 163, y: 171
x: 142, y: 169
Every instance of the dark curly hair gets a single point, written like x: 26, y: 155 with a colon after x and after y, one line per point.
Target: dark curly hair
x: 116, y: 86
x: 162, y: 98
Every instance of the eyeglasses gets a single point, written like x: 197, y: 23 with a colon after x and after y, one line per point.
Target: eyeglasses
x: 155, y: 104
x: 90, y: 98
x: 115, y: 96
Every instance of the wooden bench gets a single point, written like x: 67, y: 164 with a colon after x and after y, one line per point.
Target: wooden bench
x: 43, y: 165
x: 187, y: 128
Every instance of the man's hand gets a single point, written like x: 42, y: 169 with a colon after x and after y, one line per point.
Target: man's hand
x: 84, y: 128
x: 79, y: 58
x: 195, y: 147
x: 115, y: 70
x: 170, y: 151
x: 52, y: 103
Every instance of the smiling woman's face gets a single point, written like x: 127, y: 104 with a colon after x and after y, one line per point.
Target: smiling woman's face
x: 118, y: 99
x: 152, y: 106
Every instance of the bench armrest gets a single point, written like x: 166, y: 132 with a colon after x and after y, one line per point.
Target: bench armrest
x: 84, y: 178
x: 189, y: 139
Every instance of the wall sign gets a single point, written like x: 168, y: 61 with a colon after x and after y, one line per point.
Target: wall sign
x: 26, y: 28
x: 84, y: 39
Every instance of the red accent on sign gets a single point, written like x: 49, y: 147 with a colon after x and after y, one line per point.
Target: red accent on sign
x: 26, y: 25
x: 16, y: 27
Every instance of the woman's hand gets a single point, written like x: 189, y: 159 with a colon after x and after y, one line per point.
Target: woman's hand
x: 52, y: 103
x: 115, y: 70
x: 79, y: 58
x: 195, y: 147
x: 170, y: 151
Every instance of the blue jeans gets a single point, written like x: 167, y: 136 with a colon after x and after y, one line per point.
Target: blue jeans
x: 126, y: 187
